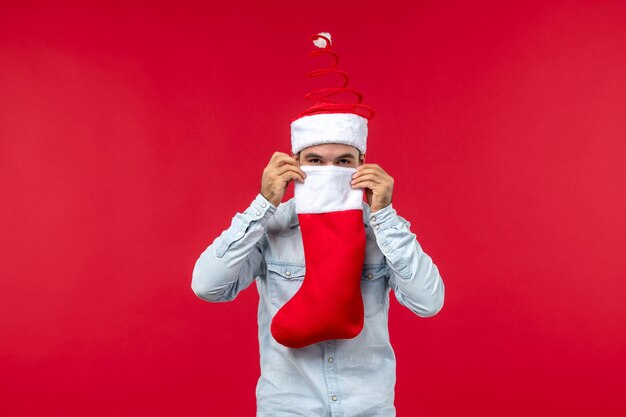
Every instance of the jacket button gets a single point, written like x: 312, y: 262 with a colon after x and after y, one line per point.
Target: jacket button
x: 373, y: 218
x: 263, y: 204
x: 331, y: 360
x: 334, y: 398
x: 288, y: 273
x: 370, y: 276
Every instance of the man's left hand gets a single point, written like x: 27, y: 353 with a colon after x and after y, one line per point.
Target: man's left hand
x: 377, y: 183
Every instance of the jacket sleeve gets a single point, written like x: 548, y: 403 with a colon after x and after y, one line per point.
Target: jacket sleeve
x: 234, y: 259
x: 413, y: 276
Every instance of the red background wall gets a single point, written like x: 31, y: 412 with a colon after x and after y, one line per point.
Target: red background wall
x: 131, y: 134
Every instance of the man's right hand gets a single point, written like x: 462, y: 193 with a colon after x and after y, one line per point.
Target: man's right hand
x: 277, y: 175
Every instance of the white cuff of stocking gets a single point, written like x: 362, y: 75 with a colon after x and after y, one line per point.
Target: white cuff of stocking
x: 346, y: 128
x: 327, y: 188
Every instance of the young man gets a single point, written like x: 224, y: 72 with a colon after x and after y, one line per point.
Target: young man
x: 323, y: 336
x: 341, y: 377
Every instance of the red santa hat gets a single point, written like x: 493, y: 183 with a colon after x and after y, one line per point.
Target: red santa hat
x: 329, y: 120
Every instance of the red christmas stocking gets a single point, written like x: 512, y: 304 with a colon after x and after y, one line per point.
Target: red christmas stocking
x: 328, y: 304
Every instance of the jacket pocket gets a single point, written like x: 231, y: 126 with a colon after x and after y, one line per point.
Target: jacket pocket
x: 283, y: 281
x: 373, y: 288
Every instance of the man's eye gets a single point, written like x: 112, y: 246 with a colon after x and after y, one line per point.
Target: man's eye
x: 344, y: 161
x: 314, y: 160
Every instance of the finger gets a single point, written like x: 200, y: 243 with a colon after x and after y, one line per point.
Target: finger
x: 289, y: 168
x: 368, y: 174
x: 365, y: 184
x: 283, y: 159
x: 284, y: 168
x: 279, y: 159
x: 368, y: 170
x: 368, y: 166
x: 367, y: 177
x: 276, y: 155
x: 289, y: 175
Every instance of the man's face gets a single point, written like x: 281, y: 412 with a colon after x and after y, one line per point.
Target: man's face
x: 331, y: 154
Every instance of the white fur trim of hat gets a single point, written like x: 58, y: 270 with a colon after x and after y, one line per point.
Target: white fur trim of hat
x: 317, y: 129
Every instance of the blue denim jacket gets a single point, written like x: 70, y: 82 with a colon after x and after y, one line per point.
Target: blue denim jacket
x: 343, y: 377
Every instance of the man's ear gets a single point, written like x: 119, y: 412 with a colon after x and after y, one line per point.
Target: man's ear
x: 362, y: 159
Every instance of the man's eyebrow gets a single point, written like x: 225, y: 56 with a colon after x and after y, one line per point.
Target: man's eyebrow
x: 314, y: 155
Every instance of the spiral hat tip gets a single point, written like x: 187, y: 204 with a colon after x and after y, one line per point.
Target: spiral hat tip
x: 321, y: 42
x: 338, y: 115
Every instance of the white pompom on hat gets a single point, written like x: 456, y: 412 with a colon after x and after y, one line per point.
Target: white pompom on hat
x: 329, y: 121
